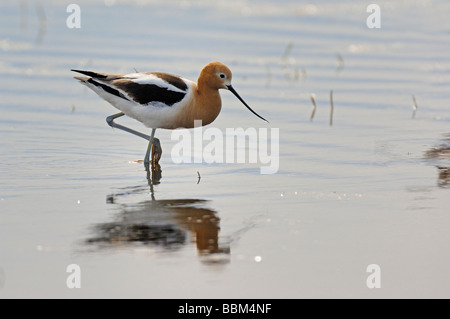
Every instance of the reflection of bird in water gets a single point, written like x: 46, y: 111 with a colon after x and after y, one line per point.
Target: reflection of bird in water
x: 444, y: 176
x: 441, y: 154
x: 161, y: 100
x: 161, y: 223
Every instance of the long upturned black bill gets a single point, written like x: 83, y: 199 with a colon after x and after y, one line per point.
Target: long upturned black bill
x: 232, y: 90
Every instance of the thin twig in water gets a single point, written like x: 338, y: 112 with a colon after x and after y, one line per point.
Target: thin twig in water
x: 332, y: 108
x: 415, y: 107
x: 303, y: 75
x: 199, y: 177
x: 296, y: 74
x: 314, y: 108
x: 42, y: 24
x: 341, y: 63
x: 287, y: 51
x: 287, y: 63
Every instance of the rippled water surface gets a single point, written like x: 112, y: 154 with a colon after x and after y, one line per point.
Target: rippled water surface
x: 371, y: 187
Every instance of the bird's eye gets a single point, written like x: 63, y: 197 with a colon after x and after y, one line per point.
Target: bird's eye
x: 222, y: 75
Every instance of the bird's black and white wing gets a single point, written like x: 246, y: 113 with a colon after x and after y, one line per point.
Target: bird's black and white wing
x: 155, y: 88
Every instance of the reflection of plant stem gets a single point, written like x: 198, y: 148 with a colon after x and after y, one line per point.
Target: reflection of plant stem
x: 199, y: 177
x: 314, y: 107
x: 415, y: 107
x: 332, y: 108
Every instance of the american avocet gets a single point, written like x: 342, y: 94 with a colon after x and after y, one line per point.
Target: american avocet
x: 161, y: 100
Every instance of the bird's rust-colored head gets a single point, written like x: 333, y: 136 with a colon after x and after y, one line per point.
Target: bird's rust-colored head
x: 216, y: 75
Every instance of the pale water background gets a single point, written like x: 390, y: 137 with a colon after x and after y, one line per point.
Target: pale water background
x: 373, y: 188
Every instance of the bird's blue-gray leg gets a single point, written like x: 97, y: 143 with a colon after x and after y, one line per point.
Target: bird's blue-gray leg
x: 110, y: 121
x: 154, y: 145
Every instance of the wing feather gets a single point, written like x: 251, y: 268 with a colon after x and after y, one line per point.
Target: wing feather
x: 143, y: 88
x: 148, y: 93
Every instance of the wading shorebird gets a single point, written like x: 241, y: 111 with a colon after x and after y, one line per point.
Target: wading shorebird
x: 162, y: 100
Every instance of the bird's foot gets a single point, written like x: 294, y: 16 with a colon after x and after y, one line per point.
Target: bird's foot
x: 156, y: 152
x: 153, y: 156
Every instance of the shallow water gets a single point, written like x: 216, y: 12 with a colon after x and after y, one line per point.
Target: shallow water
x: 372, y: 188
